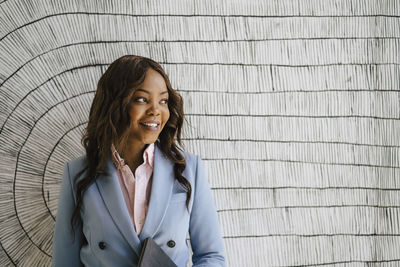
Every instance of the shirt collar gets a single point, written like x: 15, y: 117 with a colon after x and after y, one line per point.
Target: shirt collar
x: 148, y: 156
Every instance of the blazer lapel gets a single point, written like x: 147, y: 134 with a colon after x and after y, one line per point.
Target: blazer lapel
x: 161, y: 190
x: 110, y: 191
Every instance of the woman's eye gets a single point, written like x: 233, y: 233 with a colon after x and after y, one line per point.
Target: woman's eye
x: 164, y: 101
x: 140, y: 99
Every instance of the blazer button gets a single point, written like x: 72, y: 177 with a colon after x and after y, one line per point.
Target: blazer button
x: 171, y: 243
x: 102, y: 245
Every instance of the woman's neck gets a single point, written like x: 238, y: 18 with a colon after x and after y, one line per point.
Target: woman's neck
x: 133, y: 155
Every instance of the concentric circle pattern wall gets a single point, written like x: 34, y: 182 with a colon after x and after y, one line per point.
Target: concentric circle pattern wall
x: 293, y: 105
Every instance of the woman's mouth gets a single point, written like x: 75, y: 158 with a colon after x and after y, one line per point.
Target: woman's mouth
x: 151, y: 126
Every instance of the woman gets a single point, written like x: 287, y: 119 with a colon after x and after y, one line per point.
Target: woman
x: 134, y: 181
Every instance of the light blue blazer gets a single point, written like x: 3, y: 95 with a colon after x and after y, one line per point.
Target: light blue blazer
x: 106, y: 236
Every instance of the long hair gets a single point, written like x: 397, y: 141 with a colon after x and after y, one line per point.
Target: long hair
x: 109, y: 122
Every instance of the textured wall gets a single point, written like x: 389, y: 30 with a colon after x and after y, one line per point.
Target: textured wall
x: 293, y: 105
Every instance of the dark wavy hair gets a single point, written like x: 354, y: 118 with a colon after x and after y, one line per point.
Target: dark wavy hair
x: 109, y: 122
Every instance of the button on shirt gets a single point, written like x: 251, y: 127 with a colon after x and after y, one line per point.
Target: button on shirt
x: 136, y: 188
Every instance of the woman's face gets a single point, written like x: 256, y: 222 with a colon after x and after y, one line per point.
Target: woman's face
x: 149, y: 108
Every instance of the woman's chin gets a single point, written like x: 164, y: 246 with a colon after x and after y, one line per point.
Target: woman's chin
x: 149, y: 140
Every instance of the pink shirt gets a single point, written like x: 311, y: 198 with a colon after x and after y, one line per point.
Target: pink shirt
x: 136, y: 188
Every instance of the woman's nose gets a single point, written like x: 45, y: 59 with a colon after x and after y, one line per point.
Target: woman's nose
x: 154, y: 109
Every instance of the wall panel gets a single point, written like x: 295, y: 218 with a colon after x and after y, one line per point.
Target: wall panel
x: 292, y: 105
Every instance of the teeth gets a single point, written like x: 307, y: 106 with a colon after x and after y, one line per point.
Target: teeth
x: 150, y: 124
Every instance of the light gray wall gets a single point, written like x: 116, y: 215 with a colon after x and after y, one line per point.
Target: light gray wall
x: 293, y: 105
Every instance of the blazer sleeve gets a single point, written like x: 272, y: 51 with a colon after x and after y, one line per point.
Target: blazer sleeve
x: 204, y: 229
x: 66, y: 244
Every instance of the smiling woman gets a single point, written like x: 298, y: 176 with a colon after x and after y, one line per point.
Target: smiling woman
x: 148, y: 112
x: 135, y: 182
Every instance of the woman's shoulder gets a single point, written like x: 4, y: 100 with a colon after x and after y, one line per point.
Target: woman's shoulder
x: 190, y: 157
x: 193, y: 163
x: 76, y: 165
